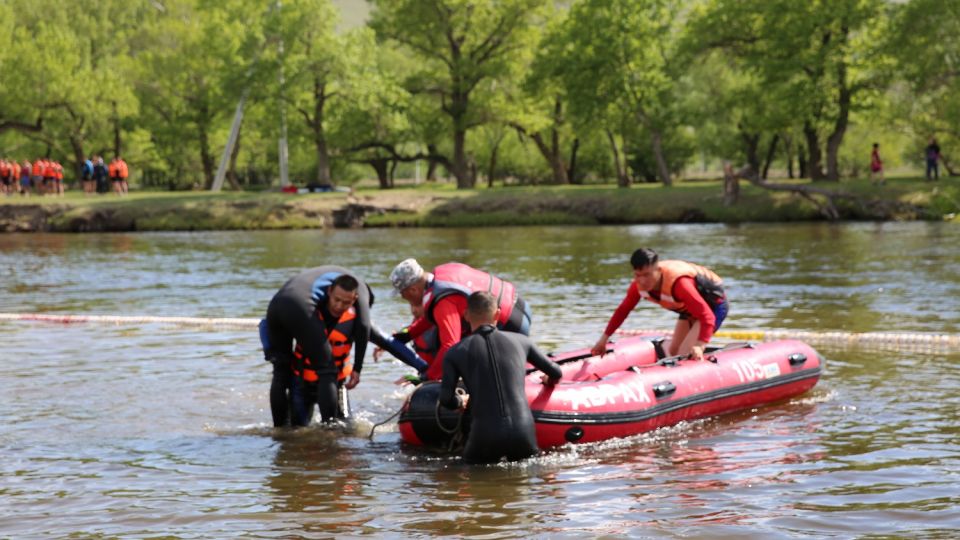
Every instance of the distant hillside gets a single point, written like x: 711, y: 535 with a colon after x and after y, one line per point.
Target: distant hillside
x: 353, y: 13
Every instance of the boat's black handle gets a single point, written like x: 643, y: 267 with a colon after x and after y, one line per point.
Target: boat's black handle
x: 664, y: 388
x: 797, y: 358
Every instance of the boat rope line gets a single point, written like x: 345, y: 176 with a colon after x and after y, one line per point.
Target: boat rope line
x: 878, y: 339
x: 903, y: 340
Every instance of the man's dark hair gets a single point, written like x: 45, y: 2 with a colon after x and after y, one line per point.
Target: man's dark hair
x: 482, y: 304
x: 346, y: 282
x: 643, y: 257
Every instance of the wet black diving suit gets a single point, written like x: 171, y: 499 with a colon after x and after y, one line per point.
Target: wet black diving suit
x: 292, y: 317
x: 493, y: 366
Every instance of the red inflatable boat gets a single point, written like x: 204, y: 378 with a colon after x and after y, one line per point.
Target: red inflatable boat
x: 630, y: 391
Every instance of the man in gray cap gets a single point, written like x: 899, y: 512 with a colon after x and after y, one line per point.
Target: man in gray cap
x: 443, y: 296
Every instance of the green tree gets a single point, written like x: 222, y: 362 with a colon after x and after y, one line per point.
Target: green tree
x: 818, y: 60
x: 628, y: 49
x: 194, y: 67
x: 925, y: 40
x: 464, y: 46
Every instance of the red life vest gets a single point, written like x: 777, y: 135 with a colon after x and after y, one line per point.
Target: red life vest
x: 341, y: 342
x: 458, y: 278
x: 708, y: 284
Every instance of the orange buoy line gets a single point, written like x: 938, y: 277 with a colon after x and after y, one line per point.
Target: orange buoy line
x: 222, y: 322
x: 902, y: 340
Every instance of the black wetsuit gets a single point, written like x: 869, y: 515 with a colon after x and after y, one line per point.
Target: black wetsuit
x: 292, y: 315
x: 492, y: 364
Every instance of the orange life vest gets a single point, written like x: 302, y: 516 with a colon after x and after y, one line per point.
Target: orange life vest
x: 341, y: 342
x: 708, y: 283
x: 122, y: 170
x: 38, y: 167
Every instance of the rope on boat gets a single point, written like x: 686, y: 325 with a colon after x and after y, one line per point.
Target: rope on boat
x: 905, y: 340
x: 378, y: 424
x: 901, y: 340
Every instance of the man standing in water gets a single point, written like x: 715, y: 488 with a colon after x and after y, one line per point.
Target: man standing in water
x: 493, y: 366
x: 693, y: 291
x: 442, y: 295
x: 312, y: 324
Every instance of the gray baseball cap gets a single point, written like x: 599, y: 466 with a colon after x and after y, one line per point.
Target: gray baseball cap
x: 406, y: 274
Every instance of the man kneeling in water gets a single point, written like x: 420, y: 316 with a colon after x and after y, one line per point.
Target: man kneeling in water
x: 492, y: 364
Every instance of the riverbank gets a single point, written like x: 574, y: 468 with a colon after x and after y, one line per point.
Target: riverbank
x: 439, y: 205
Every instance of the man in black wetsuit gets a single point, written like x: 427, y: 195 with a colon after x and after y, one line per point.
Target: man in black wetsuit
x: 312, y: 323
x: 492, y: 364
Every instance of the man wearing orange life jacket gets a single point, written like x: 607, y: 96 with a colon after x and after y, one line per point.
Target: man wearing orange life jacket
x: 118, y: 175
x: 38, y: 168
x: 6, y: 177
x: 123, y: 172
x: 49, y: 177
x: 443, y: 296
x: 312, y: 324
x: 693, y: 291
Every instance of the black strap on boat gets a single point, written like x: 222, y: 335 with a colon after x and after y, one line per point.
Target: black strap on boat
x: 664, y: 388
x: 797, y: 359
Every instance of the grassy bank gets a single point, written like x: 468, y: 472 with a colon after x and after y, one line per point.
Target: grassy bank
x: 441, y: 205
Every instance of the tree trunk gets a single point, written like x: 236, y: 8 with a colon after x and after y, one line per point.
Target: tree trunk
x: 622, y: 179
x: 572, y: 171
x: 788, y: 152
x: 771, y: 150
x: 431, y: 164
x: 492, y: 164
x: 839, y: 129
x: 815, y: 163
x: 380, y: 165
x: 206, y: 158
x: 76, y: 144
x: 117, y: 141
x: 319, y: 136
x: 461, y: 167
x: 232, y: 167
x: 662, y: 168
x: 751, y: 145
x: 801, y: 162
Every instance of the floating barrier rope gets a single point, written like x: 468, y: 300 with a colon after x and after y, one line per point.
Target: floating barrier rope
x: 224, y: 322
x: 899, y: 340
x: 903, y: 340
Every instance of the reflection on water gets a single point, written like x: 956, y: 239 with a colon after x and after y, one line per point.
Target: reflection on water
x: 146, y: 431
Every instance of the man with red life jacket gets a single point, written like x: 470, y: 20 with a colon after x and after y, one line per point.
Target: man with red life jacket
x: 312, y: 324
x: 443, y: 296
x: 693, y: 291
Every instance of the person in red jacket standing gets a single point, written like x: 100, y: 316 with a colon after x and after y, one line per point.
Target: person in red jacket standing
x: 694, y: 292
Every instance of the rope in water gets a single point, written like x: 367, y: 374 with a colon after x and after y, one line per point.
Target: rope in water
x: 879, y: 339
x: 887, y: 339
x: 222, y: 322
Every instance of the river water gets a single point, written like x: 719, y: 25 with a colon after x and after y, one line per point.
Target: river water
x: 146, y: 431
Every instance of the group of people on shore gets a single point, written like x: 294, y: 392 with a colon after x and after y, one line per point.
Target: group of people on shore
x: 44, y: 176
x: 469, y: 326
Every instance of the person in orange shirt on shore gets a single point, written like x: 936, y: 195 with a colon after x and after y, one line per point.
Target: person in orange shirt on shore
x: 119, y: 172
